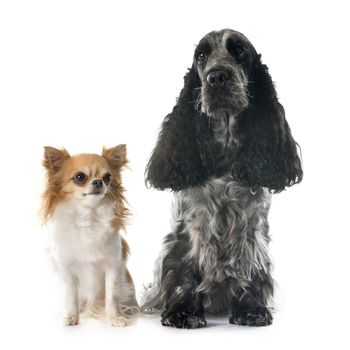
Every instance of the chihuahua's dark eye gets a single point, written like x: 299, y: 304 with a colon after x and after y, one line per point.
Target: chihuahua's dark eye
x: 107, y: 178
x: 79, y: 178
x: 201, y: 57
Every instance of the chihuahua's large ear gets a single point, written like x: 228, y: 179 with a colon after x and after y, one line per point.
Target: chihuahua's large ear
x: 267, y: 154
x: 115, y: 156
x: 175, y: 162
x: 54, y: 159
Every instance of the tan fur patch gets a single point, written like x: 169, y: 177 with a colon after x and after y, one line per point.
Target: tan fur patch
x: 128, y: 277
x: 61, y: 167
x: 125, y: 249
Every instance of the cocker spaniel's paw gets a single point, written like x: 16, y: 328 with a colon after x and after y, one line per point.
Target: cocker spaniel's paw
x: 255, y: 317
x: 183, y: 320
x: 71, y: 320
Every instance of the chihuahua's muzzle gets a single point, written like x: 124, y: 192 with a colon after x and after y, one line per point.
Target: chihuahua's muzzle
x: 97, y: 187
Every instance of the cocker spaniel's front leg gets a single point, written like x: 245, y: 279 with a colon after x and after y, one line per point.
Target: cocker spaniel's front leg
x: 182, y: 306
x: 249, y: 307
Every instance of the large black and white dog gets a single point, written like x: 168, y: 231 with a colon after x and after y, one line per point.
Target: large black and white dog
x: 223, y: 150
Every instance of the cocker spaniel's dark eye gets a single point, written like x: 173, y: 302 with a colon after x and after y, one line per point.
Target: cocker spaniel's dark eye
x: 79, y: 177
x: 236, y: 48
x: 239, y: 51
x: 107, y: 179
x: 201, y: 57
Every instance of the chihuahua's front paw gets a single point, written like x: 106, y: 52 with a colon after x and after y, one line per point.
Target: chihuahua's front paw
x: 117, y: 321
x: 71, y: 320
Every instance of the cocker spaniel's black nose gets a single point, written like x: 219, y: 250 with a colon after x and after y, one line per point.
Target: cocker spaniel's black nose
x: 217, y: 78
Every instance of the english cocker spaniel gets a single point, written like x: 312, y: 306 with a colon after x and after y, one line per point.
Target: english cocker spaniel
x: 223, y: 150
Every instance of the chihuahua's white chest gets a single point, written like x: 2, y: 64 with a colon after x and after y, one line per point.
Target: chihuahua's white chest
x: 84, y: 234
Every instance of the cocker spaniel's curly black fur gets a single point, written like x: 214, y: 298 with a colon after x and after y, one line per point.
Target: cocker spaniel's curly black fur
x: 223, y: 150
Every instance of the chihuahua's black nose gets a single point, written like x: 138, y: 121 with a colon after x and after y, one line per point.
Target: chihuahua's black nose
x: 97, y: 183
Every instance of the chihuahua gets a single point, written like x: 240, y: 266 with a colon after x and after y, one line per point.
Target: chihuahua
x: 85, y: 207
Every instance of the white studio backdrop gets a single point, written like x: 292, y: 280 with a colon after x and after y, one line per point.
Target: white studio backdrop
x: 84, y: 74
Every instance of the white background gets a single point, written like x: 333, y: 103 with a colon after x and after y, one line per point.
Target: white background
x: 83, y: 74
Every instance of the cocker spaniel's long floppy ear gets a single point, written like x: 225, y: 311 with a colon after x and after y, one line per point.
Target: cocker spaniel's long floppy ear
x: 267, y: 154
x: 175, y: 161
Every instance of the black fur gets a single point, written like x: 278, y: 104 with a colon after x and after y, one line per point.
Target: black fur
x: 267, y: 153
x: 187, y: 153
x: 183, y: 157
x: 224, y: 144
x: 249, y: 306
x: 183, y: 307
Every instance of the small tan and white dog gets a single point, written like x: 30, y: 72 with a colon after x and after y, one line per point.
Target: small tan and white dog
x: 85, y: 208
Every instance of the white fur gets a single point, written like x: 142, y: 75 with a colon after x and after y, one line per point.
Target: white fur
x: 87, y: 252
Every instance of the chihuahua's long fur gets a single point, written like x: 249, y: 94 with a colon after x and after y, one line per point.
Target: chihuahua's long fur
x: 85, y: 207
